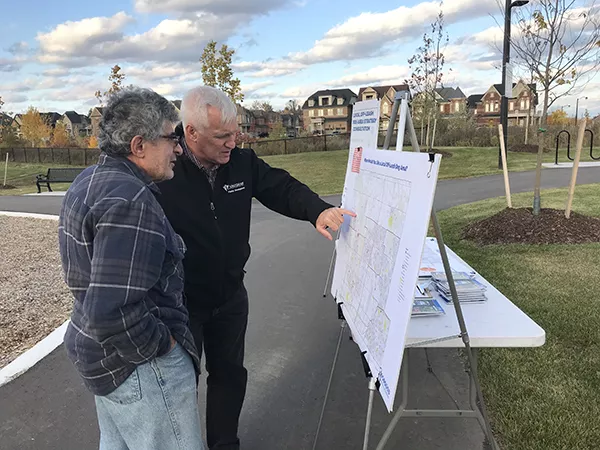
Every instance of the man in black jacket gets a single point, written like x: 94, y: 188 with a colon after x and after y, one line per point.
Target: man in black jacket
x: 208, y: 202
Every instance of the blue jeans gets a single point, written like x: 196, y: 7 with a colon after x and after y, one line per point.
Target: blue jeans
x: 156, y: 408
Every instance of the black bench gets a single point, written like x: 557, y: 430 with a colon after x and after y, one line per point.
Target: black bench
x: 61, y: 175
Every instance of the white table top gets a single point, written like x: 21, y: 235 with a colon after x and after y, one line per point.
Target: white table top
x: 495, y: 323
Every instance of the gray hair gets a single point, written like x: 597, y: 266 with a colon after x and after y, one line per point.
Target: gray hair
x: 194, y: 106
x: 131, y: 112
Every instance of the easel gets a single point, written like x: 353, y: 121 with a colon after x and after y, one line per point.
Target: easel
x: 477, y: 411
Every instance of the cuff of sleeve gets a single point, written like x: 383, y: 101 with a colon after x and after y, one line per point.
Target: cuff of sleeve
x: 315, y: 210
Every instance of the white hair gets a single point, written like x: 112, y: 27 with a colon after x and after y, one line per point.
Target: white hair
x: 194, y: 106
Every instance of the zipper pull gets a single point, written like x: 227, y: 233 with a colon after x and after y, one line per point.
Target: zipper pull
x: 212, y: 208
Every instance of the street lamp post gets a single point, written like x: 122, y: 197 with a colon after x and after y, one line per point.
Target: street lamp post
x: 577, y: 108
x: 505, y: 61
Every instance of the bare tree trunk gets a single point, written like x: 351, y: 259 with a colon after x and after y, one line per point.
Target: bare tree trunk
x: 422, y: 129
x: 428, y: 129
x: 538, y: 168
x: 527, y: 127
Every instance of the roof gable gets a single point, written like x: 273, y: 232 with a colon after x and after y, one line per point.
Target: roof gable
x: 346, y: 94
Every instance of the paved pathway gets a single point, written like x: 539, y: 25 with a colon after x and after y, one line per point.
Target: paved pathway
x: 290, y: 345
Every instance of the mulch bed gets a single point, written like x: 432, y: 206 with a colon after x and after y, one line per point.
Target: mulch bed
x: 8, y: 186
x: 520, y: 226
x: 529, y: 148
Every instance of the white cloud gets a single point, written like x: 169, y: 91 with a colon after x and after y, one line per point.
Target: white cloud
x: 268, y: 69
x: 214, y: 6
x: 366, y: 35
x: 102, y: 39
x: 380, y: 75
x: 252, y: 88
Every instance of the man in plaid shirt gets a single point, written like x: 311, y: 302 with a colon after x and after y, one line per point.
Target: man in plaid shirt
x: 128, y: 336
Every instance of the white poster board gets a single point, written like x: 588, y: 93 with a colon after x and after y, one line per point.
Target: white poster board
x: 365, y: 125
x: 379, y: 253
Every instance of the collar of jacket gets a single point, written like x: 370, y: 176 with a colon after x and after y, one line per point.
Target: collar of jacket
x: 124, y: 164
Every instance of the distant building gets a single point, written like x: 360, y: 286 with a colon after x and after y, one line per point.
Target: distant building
x: 522, y: 105
x: 329, y: 111
x: 386, y: 96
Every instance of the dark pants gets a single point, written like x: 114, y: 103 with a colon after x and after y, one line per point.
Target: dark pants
x: 221, y: 333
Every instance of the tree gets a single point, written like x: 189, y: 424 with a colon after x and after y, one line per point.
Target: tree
x: 559, y: 42
x: 1, y: 103
x: 293, y: 106
x: 262, y: 106
x: 116, y: 79
x: 34, y: 129
x: 93, y: 142
x: 60, y: 136
x: 277, y: 131
x: 427, y: 72
x: 558, y: 117
x: 217, y: 72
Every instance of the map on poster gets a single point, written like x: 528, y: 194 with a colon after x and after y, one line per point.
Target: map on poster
x: 379, y: 253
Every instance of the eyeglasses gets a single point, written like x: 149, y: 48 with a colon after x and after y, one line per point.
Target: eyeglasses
x: 173, y: 137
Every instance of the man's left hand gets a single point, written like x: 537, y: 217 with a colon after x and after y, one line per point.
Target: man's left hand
x: 331, y: 218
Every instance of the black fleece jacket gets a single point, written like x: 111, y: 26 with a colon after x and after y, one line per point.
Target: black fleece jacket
x: 215, y: 223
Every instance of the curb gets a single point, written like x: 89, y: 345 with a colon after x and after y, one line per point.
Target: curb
x: 39, y: 351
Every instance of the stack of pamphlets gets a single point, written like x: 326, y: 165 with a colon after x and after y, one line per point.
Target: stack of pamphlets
x: 468, y: 289
x: 424, y: 304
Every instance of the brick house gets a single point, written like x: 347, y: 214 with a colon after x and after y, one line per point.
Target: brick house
x: 386, y: 95
x: 451, y: 101
x: 329, y: 111
x: 95, y: 117
x: 521, y: 105
x: 245, y: 119
x: 77, y: 125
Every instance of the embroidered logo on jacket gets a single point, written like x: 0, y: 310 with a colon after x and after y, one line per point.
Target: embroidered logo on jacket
x: 231, y: 188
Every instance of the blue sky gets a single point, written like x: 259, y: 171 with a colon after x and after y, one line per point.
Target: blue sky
x: 55, y: 58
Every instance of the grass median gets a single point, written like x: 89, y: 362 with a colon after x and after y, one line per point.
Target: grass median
x: 324, y: 172
x: 542, y: 398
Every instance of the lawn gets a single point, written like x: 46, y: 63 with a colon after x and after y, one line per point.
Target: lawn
x: 324, y: 172
x: 542, y: 398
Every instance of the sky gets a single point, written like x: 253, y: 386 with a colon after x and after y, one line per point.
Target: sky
x: 54, y: 56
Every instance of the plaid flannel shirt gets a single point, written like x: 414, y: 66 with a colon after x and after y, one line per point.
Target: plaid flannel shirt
x: 123, y: 263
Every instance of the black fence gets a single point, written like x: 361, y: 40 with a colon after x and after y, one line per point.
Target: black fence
x: 317, y: 143
x: 65, y: 156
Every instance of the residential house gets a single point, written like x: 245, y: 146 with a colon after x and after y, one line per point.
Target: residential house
x: 450, y: 101
x: 292, y: 122
x: 329, y: 111
x: 245, y: 119
x: 5, y: 120
x: 95, y: 117
x: 386, y: 96
x: 16, y: 124
x: 77, y: 125
x: 263, y: 122
x: 521, y: 105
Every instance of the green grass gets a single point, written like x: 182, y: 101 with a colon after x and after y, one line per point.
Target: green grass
x: 324, y: 172
x: 544, y: 398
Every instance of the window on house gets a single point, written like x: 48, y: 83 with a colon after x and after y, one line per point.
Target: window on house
x: 324, y: 101
x: 475, y: 111
x: 527, y: 104
x: 457, y: 107
x: 369, y: 97
x: 511, y: 106
x: 340, y: 101
x: 340, y: 111
x: 330, y: 112
x: 320, y: 113
x: 496, y: 106
x: 487, y: 107
x: 386, y: 108
x: 523, y: 104
x: 441, y: 108
x: 311, y: 103
x: 311, y: 113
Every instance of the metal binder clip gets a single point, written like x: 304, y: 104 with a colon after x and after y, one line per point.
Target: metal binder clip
x: 431, y: 161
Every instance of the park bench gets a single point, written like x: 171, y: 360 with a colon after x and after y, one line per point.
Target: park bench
x: 57, y: 175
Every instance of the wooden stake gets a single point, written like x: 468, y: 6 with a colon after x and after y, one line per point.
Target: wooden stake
x: 504, y: 165
x: 5, y: 169
x: 580, y: 135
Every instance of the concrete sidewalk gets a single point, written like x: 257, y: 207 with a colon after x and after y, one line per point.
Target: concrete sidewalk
x: 291, y: 341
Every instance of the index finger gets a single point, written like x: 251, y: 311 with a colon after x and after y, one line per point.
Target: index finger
x: 347, y: 212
